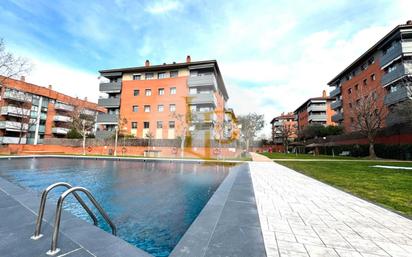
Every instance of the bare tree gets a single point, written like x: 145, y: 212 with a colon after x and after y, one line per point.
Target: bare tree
x: 183, y: 129
x: 22, y: 110
x: 286, y: 131
x: 82, y: 123
x: 368, y: 115
x: 10, y: 65
x: 251, y: 124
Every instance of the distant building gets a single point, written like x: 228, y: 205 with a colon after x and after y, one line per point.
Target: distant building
x: 150, y: 97
x: 30, y: 113
x: 316, y: 110
x: 280, y: 123
x: 380, y: 71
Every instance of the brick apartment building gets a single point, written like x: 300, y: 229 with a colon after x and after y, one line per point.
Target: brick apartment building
x: 278, y: 127
x: 380, y: 71
x: 316, y: 110
x: 163, y: 100
x: 30, y: 113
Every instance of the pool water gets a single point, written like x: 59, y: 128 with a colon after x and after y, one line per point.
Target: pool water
x: 151, y: 203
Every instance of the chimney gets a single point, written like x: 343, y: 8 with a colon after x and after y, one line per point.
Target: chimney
x: 324, y: 93
x: 188, y: 59
x: 23, y: 78
x: 50, y: 86
x: 147, y: 63
x: 85, y: 98
x: 409, y: 22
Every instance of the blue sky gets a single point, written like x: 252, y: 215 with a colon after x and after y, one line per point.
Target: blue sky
x: 273, y: 54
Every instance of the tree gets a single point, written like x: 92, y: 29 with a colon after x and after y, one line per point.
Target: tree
x: 368, y: 115
x: 82, y: 125
x: 22, y: 110
x: 250, y: 124
x: 287, y: 130
x: 10, y: 65
x: 183, y: 130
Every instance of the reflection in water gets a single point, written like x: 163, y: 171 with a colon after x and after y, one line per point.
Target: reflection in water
x: 151, y: 203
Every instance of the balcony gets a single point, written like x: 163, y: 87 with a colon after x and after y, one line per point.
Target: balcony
x: 316, y: 108
x: 103, y: 134
x: 396, y: 51
x: 202, y: 99
x: 12, y: 140
x: 400, y: 95
x: 401, y: 70
x: 43, y: 116
x: 42, y: 128
x: 106, y: 118
x: 111, y: 87
x: 64, y: 107
x: 60, y: 131
x: 277, y: 124
x: 88, y: 112
x: 109, y: 102
x: 13, y: 126
x: 202, y: 81
x: 14, y: 111
x: 17, y: 96
x: 336, y: 104
x: 317, y: 117
x: 337, y: 91
x: 337, y: 117
x: 200, y: 117
x: 62, y: 118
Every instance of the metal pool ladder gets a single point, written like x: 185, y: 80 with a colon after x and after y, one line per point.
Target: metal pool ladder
x: 70, y: 190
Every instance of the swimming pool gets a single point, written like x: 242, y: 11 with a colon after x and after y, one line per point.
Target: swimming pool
x: 152, y: 203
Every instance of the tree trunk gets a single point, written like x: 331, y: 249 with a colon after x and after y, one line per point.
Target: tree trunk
x: 84, y: 143
x: 372, y: 153
x: 247, y: 145
x: 182, y: 147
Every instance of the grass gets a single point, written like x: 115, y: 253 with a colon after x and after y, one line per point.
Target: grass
x: 304, y: 156
x: 391, y: 188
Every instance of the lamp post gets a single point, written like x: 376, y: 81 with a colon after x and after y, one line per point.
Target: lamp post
x: 115, y: 140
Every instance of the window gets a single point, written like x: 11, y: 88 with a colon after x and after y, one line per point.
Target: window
x: 171, y: 124
x: 371, y: 61
x: 172, y: 90
x: 135, y: 108
x: 134, y: 125
x: 161, y: 91
x: 172, y: 107
x: 365, y: 82
x: 392, y: 68
x: 137, y: 76
x: 373, y: 77
x: 374, y: 95
x: 349, y: 90
x: 351, y: 119
x: 160, y: 108
x: 146, y: 125
x: 149, y: 76
x: 159, y: 124
x: 147, y: 108
x: 192, y: 90
x: 161, y: 75
x: 174, y: 73
x: 148, y: 92
x: 356, y: 87
x: 350, y: 105
x: 136, y: 92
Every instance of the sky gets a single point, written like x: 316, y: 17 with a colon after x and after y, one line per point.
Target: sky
x: 273, y: 55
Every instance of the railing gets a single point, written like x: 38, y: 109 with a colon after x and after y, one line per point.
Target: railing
x: 88, y: 112
x: 337, y: 117
x: 59, y: 130
x: 14, y: 111
x: 204, y: 117
x: 393, y: 53
x: 201, y: 81
x: 336, y: 104
x: 103, y: 134
x: 62, y: 118
x: 17, y: 95
x: 317, y: 117
x: 13, y: 125
x: 337, y: 91
x: 401, y: 94
x: 109, y: 102
x: 41, y: 128
x: 401, y: 70
x: 107, y: 118
x: 202, y: 99
x: 12, y: 140
x: 63, y: 106
x: 111, y: 87
x: 316, y: 108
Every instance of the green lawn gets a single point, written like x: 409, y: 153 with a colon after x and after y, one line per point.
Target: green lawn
x: 303, y: 156
x: 391, y: 188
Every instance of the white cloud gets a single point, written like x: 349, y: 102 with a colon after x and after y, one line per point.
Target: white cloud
x: 163, y: 6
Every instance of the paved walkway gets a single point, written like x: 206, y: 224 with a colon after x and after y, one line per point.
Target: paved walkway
x: 259, y: 157
x: 301, y: 216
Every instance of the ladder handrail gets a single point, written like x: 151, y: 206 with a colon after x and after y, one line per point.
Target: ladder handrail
x: 53, y: 249
x: 39, y: 220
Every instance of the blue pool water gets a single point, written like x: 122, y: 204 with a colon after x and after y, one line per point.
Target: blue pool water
x: 152, y: 203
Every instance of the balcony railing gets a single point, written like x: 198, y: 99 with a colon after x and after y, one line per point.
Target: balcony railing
x: 400, y: 95
x: 337, y: 117
x: 109, y: 102
x: 88, y: 112
x: 336, y: 104
x: 102, y: 134
x: 17, y: 95
x: 398, y: 49
x: 14, y: 111
x: 316, y: 108
x: 401, y: 70
x: 202, y: 99
x: 204, y: 117
x: 64, y: 107
x: 61, y: 131
x: 337, y: 91
x: 106, y: 118
x: 317, y: 117
x: 12, y: 140
x: 13, y: 126
x: 62, y: 118
x: 202, y: 81
x: 42, y: 128
x: 277, y: 123
x: 111, y: 87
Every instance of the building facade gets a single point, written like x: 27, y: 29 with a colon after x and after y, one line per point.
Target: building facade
x: 316, y: 110
x: 382, y: 72
x: 163, y: 101
x: 284, y: 126
x: 30, y: 113
x: 231, y: 126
